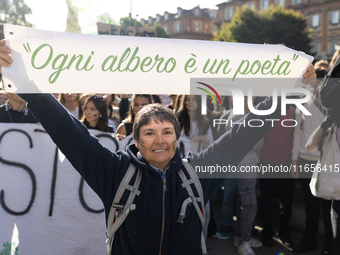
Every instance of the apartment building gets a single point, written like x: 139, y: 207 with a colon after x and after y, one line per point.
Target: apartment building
x: 323, y: 19
x: 196, y: 23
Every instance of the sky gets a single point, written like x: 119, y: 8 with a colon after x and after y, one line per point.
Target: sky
x: 52, y: 14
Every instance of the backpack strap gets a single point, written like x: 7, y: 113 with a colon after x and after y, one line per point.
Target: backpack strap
x: 192, y: 199
x: 118, y: 213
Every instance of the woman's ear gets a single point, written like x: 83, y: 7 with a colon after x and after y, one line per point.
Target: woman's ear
x: 136, y: 143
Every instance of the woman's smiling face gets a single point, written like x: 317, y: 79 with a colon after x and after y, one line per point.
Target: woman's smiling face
x: 157, y: 143
x: 92, y: 114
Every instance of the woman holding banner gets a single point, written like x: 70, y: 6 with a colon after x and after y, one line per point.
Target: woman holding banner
x: 160, y: 222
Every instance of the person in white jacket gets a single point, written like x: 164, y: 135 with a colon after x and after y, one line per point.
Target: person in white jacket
x: 302, y: 164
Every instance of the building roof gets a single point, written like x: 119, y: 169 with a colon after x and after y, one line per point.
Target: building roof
x: 203, y: 13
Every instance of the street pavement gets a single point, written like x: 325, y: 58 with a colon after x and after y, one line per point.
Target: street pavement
x: 226, y: 247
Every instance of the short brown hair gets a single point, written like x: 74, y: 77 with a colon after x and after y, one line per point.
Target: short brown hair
x: 156, y: 112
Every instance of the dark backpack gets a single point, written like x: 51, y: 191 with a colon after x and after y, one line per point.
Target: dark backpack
x: 118, y: 212
x: 328, y: 93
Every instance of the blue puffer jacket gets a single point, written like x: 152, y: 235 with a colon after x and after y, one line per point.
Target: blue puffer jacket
x: 103, y: 170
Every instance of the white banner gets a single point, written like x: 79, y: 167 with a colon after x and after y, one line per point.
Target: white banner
x: 47, y: 61
x: 45, y: 207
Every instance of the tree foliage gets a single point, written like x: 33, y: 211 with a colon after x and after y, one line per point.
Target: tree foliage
x: 160, y: 32
x: 127, y: 21
x: 273, y: 26
x: 14, y: 12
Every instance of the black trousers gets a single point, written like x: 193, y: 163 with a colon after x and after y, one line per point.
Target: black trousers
x: 270, y: 189
x: 326, y: 206
x: 312, y: 202
x: 313, y: 205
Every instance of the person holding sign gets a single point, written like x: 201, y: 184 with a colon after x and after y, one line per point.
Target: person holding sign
x: 160, y: 219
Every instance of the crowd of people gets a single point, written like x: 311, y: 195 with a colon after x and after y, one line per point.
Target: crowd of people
x: 282, y: 145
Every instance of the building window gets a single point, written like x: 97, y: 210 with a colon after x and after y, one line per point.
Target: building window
x: 177, y: 27
x: 334, y: 17
x: 314, y: 20
x: 158, y: 18
x: 213, y: 15
x: 165, y: 27
x: 294, y: 2
x: 166, y: 16
x: 250, y: 5
x: 280, y: 2
x: 197, y: 12
x: 179, y: 13
x: 150, y: 22
x: 264, y: 4
x: 197, y: 26
x: 228, y: 13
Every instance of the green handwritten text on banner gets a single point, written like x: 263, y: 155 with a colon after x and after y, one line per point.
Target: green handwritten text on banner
x: 46, y: 61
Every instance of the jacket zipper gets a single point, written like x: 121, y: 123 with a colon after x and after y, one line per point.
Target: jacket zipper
x: 163, y: 221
